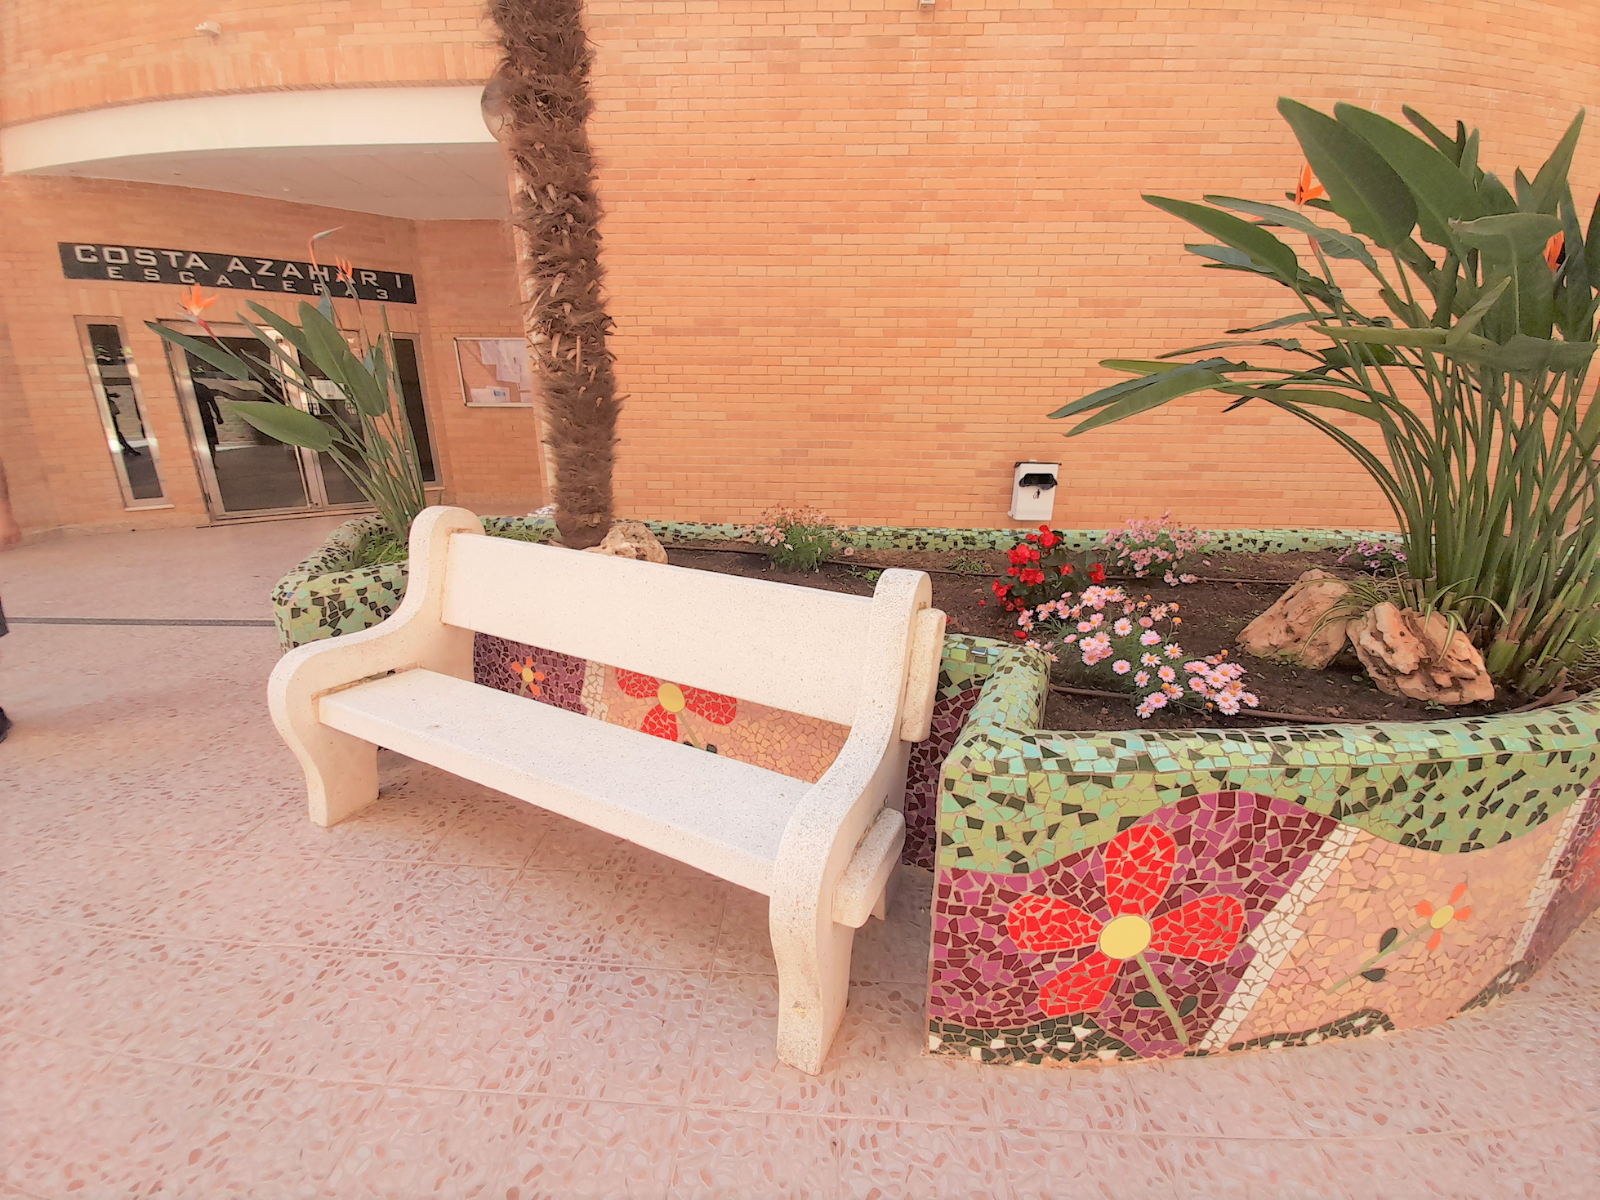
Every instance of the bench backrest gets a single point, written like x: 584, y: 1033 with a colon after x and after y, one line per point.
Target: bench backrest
x: 794, y: 648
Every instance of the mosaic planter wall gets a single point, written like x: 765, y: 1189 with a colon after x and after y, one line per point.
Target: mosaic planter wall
x: 1146, y: 894
x: 324, y: 596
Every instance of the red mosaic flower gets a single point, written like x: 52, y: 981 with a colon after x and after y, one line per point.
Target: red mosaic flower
x: 662, y: 720
x: 1139, y: 863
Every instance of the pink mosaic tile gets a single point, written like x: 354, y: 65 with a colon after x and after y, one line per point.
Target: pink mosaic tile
x: 1422, y: 979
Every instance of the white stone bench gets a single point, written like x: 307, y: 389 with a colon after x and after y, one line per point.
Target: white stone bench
x: 823, y: 852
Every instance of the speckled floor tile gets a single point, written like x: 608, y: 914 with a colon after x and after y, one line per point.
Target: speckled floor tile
x: 247, y: 1005
x: 441, y: 909
x: 589, y: 916
x: 426, y: 1143
x: 883, y: 1159
x: 41, y: 1080
x: 579, y: 1149
x: 566, y: 845
x: 410, y: 817
x: 745, y: 943
x: 122, y: 1133
x: 626, y: 1033
x: 734, y: 1065
x: 311, y: 1013
x: 94, y: 987
x: 1052, y: 1164
x: 786, y: 1156
x: 491, y: 831
x: 497, y: 1026
x: 896, y: 950
x: 878, y: 1067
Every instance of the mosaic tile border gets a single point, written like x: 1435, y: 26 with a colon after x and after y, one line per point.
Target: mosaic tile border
x: 1449, y: 786
x: 323, y: 596
x: 1412, y: 826
x: 903, y: 537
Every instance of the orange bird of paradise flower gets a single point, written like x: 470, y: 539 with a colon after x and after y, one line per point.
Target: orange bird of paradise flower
x: 1308, y: 188
x: 344, y: 269
x: 1555, y: 250
x: 194, y: 301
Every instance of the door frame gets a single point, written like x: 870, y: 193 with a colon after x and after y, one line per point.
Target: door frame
x: 97, y: 384
x: 205, y: 465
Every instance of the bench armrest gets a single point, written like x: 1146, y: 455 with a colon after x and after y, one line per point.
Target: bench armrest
x: 856, y: 895
x: 414, y: 635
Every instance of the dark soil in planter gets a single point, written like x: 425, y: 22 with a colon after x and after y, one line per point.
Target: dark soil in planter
x: 1236, y: 588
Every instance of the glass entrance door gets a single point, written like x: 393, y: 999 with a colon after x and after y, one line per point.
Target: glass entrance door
x: 245, y: 472
x: 242, y: 470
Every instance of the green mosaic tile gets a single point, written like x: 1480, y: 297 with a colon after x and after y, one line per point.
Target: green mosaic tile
x: 1451, y: 786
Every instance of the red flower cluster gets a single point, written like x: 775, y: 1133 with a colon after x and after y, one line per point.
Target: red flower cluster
x: 1039, y: 570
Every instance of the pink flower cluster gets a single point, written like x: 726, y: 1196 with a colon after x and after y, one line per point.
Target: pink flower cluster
x: 1142, y: 544
x: 1110, y: 632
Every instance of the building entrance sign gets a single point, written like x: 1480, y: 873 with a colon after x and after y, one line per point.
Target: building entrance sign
x: 240, y: 272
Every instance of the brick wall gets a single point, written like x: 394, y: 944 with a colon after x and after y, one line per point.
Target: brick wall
x: 856, y: 251
x: 50, y: 432
x: 57, y: 58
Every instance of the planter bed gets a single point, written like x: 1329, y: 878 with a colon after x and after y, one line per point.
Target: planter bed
x: 1294, y: 884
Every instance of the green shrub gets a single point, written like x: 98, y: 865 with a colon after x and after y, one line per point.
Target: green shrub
x: 1474, y: 379
x: 802, y: 539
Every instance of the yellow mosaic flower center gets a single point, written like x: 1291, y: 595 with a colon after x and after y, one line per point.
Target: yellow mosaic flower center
x: 670, y: 697
x: 1443, y: 917
x: 1125, y: 936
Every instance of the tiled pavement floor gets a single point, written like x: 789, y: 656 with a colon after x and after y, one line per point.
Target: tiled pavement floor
x: 457, y: 995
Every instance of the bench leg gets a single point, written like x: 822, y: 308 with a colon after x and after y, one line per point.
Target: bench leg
x: 341, y: 775
x: 813, y: 985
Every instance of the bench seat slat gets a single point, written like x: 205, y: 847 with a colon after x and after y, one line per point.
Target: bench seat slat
x: 720, y: 815
x: 798, y: 649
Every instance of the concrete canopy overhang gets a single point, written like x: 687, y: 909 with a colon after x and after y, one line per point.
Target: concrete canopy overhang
x: 421, y: 153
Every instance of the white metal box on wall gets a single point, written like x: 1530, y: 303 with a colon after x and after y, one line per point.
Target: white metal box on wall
x: 1033, y: 490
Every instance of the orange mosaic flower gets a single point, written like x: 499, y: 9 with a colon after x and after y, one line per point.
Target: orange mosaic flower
x: 1308, y: 188
x: 531, y: 678
x: 1438, y: 918
x: 671, y: 700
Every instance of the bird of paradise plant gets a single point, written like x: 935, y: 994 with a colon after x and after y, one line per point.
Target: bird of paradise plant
x: 366, y: 431
x: 1474, y: 379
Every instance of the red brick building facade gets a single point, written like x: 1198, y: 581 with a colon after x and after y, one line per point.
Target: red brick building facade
x: 856, y: 252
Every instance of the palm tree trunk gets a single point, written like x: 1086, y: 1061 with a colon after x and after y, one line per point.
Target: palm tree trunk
x: 543, y: 86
